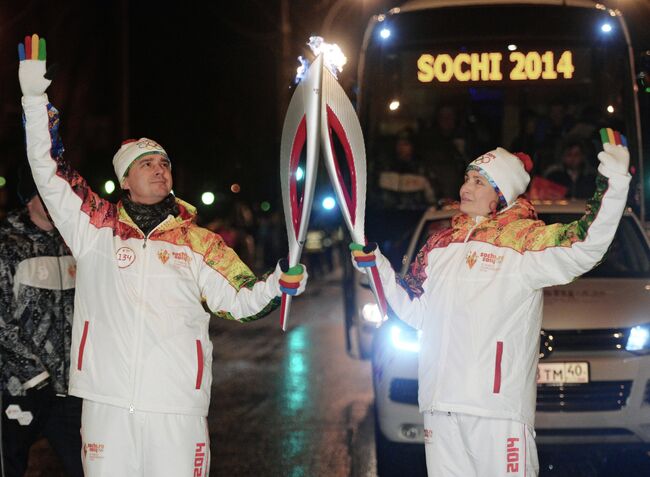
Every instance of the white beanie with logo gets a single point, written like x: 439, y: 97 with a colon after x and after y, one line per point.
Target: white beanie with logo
x: 507, y: 172
x: 131, y: 150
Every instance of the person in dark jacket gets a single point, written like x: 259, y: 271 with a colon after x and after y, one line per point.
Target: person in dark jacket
x: 574, y: 171
x: 404, y: 183
x: 37, y: 277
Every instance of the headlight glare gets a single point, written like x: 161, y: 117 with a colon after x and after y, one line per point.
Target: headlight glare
x: 371, y: 313
x: 405, y: 340
x: 639, y: 338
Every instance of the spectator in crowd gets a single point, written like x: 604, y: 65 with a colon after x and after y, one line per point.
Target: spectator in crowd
x: 404, y: 182
x: 551, y: 129
x: 37, y: 279
x: 574, y: 171
x: 445, y: 152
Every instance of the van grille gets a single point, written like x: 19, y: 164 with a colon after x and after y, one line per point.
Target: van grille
x: 588, y: 397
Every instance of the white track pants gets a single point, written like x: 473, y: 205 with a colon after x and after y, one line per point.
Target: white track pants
x: 117, y: 443
x: 461, y: 445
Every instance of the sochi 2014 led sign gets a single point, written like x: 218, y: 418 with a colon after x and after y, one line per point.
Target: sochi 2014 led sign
x: 492, y: 66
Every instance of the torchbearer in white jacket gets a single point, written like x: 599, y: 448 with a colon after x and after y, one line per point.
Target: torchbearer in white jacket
x: 475, y: 292
x: 141, y: 355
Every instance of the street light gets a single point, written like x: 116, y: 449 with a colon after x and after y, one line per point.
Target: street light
x: 207, y: 198
x: 328, y: 203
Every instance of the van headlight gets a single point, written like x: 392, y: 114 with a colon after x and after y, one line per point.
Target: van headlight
x: 370, y: 313
x: 405, y: 339
x: 639, y: 338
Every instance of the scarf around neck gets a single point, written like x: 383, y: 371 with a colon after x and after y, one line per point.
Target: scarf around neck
x: 147, y: 217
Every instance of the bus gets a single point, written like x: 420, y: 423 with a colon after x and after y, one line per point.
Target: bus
x: 453, y: 79
x: 460, y: 77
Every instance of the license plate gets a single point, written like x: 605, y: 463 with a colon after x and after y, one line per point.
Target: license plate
x: 563, y: 373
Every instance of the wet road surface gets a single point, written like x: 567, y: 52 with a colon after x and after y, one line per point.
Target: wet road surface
x: 291, y: 404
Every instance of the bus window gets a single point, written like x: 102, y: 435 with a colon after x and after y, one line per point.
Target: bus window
x: 540, y: 79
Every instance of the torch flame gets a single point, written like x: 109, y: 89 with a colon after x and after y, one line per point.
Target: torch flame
x: 301, y: 70
x: 333, y: 57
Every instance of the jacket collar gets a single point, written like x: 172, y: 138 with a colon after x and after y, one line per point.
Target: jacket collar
x: 186, y: 216
x: 521, y: 209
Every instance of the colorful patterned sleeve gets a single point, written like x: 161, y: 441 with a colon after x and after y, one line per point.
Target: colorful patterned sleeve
x: 556, y: 254
x: 230, y: 288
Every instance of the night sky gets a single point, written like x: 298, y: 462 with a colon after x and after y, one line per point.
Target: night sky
x: 205, y: 79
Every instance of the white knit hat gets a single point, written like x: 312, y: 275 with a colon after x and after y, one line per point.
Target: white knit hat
x: 131, y: 150
x: 507, y: 172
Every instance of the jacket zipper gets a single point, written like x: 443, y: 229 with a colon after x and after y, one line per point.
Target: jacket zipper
x: 445, y: 326
x: 140, y: 315
x: 469, y: 234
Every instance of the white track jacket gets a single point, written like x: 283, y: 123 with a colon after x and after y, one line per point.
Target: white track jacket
x: 475, y: 291
x: 140, y: 334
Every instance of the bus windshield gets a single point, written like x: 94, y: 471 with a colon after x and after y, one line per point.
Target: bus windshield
x: 445, y: 85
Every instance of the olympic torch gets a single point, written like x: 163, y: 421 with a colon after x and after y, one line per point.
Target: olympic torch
x: 346, y: 165
x: 300, y: 133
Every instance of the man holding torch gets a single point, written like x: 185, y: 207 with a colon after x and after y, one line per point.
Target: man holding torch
x: 141, y: 353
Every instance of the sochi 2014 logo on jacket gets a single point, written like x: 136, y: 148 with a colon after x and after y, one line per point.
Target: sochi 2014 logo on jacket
x: 180, y: 259
x: 163, y: 256
x: 489, y: 261
x: 93, y: 451
x: 471, y: 259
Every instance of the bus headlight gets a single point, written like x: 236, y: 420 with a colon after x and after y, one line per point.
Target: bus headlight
x: 639, y: 338
x: 405, y: 339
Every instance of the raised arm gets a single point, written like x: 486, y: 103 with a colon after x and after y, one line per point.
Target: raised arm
x: 558, y: 253
x: 75, y: 209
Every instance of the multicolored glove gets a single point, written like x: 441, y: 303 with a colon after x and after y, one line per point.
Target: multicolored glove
x: 32, y: 73
x: 615, y: 158
x: 293, y: 279
x: 364, y: 256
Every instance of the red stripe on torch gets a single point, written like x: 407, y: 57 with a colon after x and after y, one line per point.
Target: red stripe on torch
x: 296, y: 202
x: 334, y: 124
